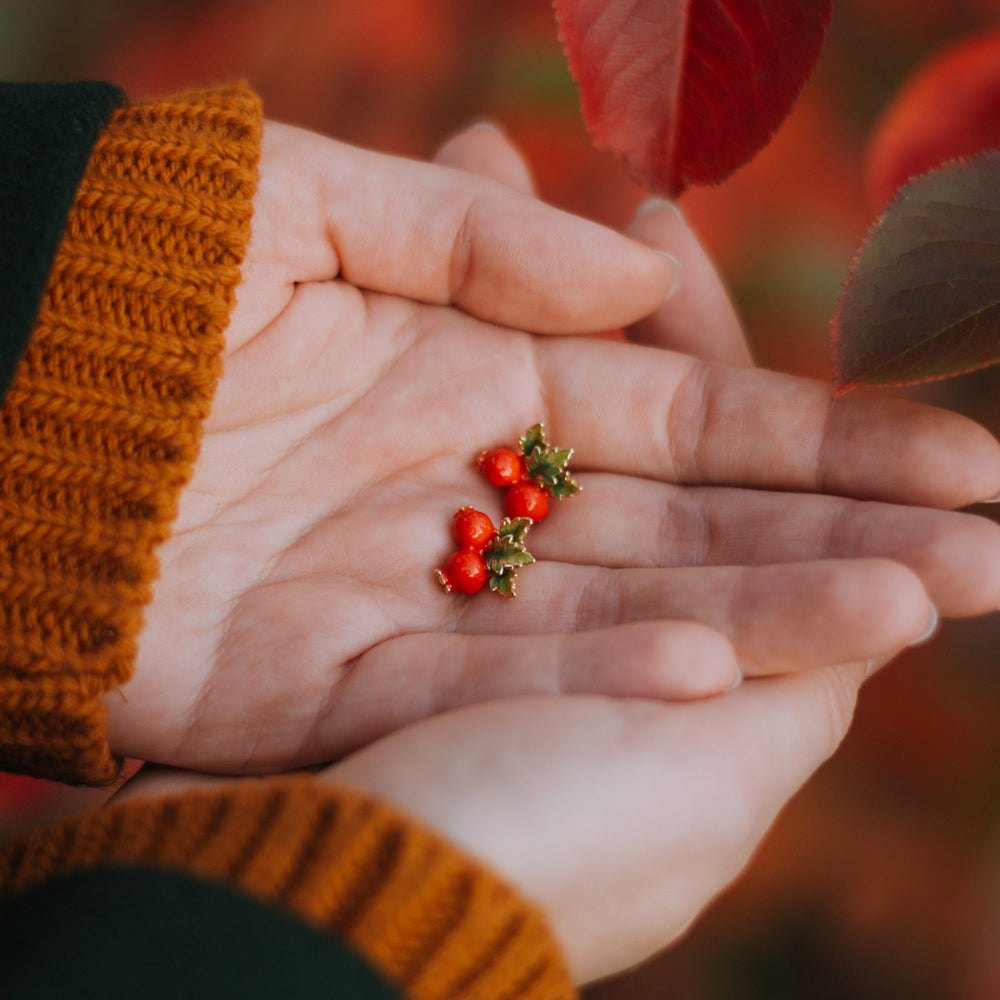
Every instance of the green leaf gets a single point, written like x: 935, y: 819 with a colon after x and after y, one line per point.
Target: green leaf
x: 506, y: 550
x: 534, y: 438
x: 558, y: 457
x: 922, y: 300
x: 564, y: 487
x: 502, y: 560
x: 514, y: 528
x: 545, y: 464
x: 503, y: 583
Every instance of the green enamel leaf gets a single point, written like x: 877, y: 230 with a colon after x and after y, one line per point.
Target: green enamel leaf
x: 534, y: 438
x: 514, y: 528
x: 502, y: 560
x: 564, y: 487
x: 507, y: 550
x: 546, y: 465
x: 922, y: 300
x: 558, y: 457
x: 504, y: 583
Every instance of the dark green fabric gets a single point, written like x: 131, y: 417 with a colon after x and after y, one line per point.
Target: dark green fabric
x: 148, y: 934
x: 47, y: 131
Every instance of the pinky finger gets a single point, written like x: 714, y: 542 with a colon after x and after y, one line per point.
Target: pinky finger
x: 403, y: 680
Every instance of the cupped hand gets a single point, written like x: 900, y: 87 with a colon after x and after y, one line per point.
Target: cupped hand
x: 395, y: 319
x: 622, y: 818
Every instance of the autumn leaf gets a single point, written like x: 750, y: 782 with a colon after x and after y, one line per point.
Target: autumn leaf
x: 922, y: 300
x: 950, y: 108
x: 689, y: 90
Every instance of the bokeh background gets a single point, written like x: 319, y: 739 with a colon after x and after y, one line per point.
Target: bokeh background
x: 882, y: 879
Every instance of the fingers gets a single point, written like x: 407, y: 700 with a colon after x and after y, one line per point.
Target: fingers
x: 444, y: 236
x: 666, y: 416
x: 483, y: 149
x: 629, y: 522
x: 403, y: 680
x: 698, y: 318
x: 779, y: 618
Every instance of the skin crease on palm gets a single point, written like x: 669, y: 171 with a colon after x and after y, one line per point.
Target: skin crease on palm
x: 377, y: 347
x: 683, y: 556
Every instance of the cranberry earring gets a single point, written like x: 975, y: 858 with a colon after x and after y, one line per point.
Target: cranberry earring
x: 488, y: 555
x: 531, y: 477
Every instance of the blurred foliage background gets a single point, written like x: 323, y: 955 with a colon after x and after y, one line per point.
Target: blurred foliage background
x: 882, y: 879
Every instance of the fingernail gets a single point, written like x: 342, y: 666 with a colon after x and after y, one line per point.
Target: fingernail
x: 487, y: 123
x: 995, y: 499
x: 736, y: 683
x: 678, y: 273
x: 658, y: 205
x: 929, y: 631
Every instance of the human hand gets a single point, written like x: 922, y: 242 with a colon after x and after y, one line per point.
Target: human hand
x: 376, y: 348
x: 621, y: 818
x: 697, y: 318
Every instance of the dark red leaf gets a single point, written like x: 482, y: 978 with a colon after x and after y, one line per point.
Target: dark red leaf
x: 922, y: 300
x: 689, y: 90
x: 949, y: 109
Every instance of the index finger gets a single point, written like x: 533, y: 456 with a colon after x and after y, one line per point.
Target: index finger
x: 661, y: 415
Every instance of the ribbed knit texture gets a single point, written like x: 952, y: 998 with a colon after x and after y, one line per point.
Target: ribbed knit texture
x: 438, y: 925
x: 102, y: 423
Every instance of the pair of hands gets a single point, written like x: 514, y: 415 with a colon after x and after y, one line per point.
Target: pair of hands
x: 734, y: 522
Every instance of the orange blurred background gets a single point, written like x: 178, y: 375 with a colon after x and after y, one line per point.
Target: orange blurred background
x: 882, y: 879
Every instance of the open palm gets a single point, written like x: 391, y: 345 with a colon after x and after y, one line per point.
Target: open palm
x: 379, y: 345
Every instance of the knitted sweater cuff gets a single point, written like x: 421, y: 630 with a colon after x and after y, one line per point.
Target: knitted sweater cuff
x: 433, y: 922
x: 101, y: 425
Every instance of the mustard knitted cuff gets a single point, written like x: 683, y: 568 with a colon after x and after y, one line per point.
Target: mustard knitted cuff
x: 432, y: 921
x: 102, y: 422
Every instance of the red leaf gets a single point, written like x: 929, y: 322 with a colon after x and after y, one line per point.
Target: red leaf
x: 689, y: 90
x: 922, y: 300
x: 950, y: 108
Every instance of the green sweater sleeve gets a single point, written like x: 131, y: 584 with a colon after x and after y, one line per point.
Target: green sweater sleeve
x: 47, y: 131
x: 157, y: 935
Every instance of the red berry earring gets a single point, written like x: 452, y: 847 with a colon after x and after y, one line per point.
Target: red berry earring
x: 538, y: 473
x: 488, y: 555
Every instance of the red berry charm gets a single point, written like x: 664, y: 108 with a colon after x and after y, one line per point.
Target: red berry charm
x: 473, y: 528
x: 526, y: 500
x: 491, y: 555
x: 467, y: 571
x: 501, y: 466
x: 538, y: 473
x: 464, y: 572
